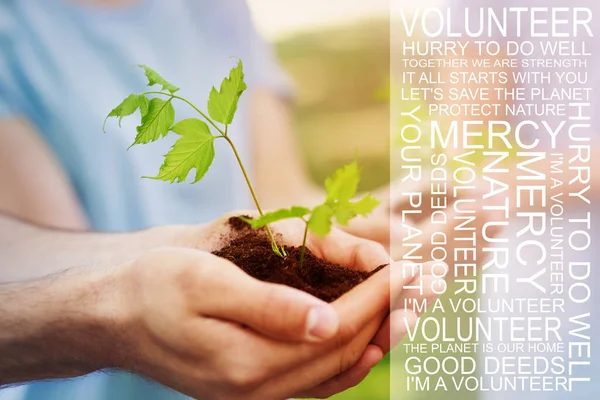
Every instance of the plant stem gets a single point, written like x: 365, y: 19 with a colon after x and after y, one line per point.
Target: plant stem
x: 210, y: 121
x: 276, y: 249
x: 303, y: 244
x: 279, y: 251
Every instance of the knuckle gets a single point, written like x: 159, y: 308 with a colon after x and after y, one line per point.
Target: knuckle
x: 187, y: 278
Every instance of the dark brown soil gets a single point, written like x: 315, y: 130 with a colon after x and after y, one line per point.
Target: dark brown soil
x: 251, y: 251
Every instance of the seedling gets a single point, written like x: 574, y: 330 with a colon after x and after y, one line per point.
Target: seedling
x: 195, y: 150
x: 340, y: 189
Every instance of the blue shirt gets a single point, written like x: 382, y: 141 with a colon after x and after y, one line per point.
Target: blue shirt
x: 64, y: 66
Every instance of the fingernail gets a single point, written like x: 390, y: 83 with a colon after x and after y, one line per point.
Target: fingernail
x: 322, y: 323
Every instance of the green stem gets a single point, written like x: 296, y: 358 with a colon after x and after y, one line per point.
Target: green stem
x: 280, y: 252
x: 206, y: 117
x: 303, y: 244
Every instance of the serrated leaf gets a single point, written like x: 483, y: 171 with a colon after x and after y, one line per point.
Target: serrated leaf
x: 156, y: 122
x: 342, y: 186
x: 320, y: 220
x: 154, y: 78
x: 346, y: 210
x: 278, y: 215
x: 195, y: 149
x: 344, y: 213
x: 365, y: 206
x: 222, y: 104
x: 131, y: 104
x: 144, y: 105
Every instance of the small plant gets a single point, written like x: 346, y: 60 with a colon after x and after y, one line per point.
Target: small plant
x: 340, y: 190
x: 195, y: 150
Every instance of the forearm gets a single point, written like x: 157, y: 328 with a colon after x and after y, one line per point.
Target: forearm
x: 38, y: 191
x: 58, y: 326
x: 29, y: 252
x: 67, y: 323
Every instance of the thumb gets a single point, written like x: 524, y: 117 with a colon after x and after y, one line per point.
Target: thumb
x: 277, y: 311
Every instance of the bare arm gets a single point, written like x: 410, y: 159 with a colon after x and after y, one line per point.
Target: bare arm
x: 29, y: 252
x: 53, y: 327
x: 33, y: 187
x: 194, y: 336
x: 32, y: 183
x: 56, y: 327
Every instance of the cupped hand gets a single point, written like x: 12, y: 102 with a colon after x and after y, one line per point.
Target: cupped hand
x: 198, y: 324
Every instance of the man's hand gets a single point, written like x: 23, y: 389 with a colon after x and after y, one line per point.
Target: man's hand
x: 241, y: 338
x: 196, y: 322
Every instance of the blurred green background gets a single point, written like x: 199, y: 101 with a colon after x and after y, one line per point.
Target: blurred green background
x: 342, y: 110
x: 340, y: 75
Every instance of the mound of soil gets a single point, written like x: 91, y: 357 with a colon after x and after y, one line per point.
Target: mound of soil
x: 251, y: 251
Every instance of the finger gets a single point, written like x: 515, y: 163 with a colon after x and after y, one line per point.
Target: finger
x: 419, y: 294
x: 361, y: 312
x: 398, y: 189
x: 376, y: 228
x: 404, y: 239
x: 349, y: 378
x: 394, y: 329
x: 350, y: 251
x: 371, y: 299
x: 324, y: 366
x: 277, y: 311
x: 410, y: 194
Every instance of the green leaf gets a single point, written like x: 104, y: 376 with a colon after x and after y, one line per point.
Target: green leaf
x: 344, y: 213
x: 366, y: 205
x: 278, y: 215
x: 154, y: 78
x: 320, y: 220
x: 156, y: 122
x: 347, y: 210
x: 195, y: 149
x: 128, y: 107
x: 342, y: 186
x: 222, y: 104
